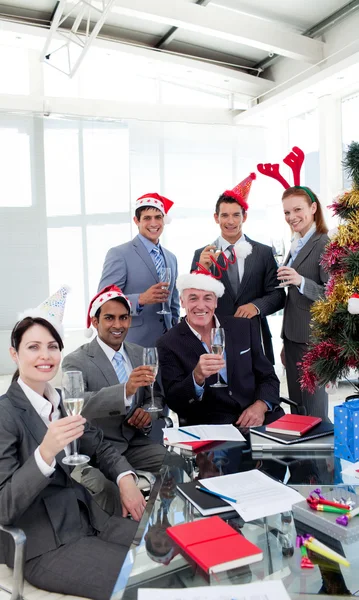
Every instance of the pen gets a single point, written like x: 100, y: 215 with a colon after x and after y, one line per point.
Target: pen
x: 202, y: 489
x: 188, y: 433
x: 323, y: 550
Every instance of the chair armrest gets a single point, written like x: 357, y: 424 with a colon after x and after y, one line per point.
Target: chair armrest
x: 300, y: 410
x: 19, y: 538
x: 149, y: 477
x: 168, y: 421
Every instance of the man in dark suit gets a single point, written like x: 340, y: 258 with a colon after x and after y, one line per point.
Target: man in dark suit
x: 250, y: 284
x: 136, y: 268
x: 116, y: 388
x: 188, y: 369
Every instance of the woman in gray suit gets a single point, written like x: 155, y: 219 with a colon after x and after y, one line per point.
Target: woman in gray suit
x: 305, y: 278
x: 73, y: 546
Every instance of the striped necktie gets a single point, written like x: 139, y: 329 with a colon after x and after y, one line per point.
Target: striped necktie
x: 159, y: 260
x: 118, y: 363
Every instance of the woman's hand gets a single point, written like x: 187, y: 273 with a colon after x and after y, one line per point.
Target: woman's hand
x: 59, y: 434
x: 289, y: 276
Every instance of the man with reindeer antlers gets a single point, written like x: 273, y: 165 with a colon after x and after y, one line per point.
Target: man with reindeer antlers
x: 247, y: 268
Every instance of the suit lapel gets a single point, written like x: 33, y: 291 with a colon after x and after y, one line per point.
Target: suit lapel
x: 303, y: 253
x: 142, y: 252
x: 249, y: 264
x: 101, y: 361
x: 191, y: 340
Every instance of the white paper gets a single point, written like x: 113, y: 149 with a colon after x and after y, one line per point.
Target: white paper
x: 259, y: 590
x: 227, y: 433
x: 256, y: 495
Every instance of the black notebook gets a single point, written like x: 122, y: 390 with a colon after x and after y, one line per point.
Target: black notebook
x: 318, y: 431
x: 205, y: 503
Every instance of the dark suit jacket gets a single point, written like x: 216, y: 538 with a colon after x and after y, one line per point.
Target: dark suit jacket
x: 250, y: 375
x: 131, y: 268
x: 258, y: 285
x: 53, y: 510
x: 104, y: 402
x: 297, y: 306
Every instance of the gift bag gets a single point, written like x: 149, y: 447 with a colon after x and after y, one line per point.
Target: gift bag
x: 346, y: 431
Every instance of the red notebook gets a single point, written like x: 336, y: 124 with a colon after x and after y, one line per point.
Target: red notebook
x: 293, y: 424
x: 200, y: 446
x: 214, y: 545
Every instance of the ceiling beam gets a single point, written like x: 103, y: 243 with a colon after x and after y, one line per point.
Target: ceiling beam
x: 218, y: 23
x: 171, y: 33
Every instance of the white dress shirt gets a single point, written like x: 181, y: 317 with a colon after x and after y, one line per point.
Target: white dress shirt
x: 44, y: 408
x: 223, y: 244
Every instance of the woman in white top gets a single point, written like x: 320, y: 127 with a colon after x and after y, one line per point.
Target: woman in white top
x: 73, y: 546
x: 305, y: 278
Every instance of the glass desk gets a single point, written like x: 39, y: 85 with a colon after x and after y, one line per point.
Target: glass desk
x: 155, y: 561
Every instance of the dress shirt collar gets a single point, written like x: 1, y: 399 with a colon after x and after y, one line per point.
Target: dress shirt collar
x: 298, y: 242
x: 110, y: 352
x: 223, y: 244
x: 148, y: 244
x: 198, y: 335
x: 43, y: 406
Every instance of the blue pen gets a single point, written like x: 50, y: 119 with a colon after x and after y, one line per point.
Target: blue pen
x: 188, y: 433
x: 202, y: 489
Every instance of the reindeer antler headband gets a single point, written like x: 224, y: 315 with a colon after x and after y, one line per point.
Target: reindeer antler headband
x: 294, y: 160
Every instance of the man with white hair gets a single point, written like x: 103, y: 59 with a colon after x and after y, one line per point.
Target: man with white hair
x: 189, y: 368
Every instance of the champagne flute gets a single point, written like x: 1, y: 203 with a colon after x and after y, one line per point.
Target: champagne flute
x: 73, y: 393
x: 217, y: 345
x: 278, y: 250
x: 150, y: 358
x: 165, y: 276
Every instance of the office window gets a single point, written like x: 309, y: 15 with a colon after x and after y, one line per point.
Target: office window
x: 15, y: 161
x: 350, y: 127
x: 304, y: 132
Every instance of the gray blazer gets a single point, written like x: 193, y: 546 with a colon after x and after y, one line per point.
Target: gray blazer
x: 297, y: 306
x: 131, y: 268
x: 258, y: 285
x: 104, y: 402
x: 46, y: 508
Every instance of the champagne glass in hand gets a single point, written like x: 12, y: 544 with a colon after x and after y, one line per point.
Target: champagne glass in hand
x: 73, y: 394
x: 278, y: 250
x: 150, y: 358
x: 165, y: 276
x: 217, y: 345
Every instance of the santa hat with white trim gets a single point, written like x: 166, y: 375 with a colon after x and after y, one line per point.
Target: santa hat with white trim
x: 156, y: 201
x: 200, y: 281
x: 108, y: 293
x: 52, y: 309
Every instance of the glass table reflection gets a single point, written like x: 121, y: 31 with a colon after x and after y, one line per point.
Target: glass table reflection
x: 154, y: 561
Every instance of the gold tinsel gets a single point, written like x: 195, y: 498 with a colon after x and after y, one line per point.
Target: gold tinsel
x: 350, y: 198
x: 323, y: 310
x: 348, y: 234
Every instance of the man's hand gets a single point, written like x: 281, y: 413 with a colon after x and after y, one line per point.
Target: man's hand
x: 59, y: 434
x: 248, y: 311
x: 140, y: 376
x: 253, y: 416
x: 289, y: 276
x: 205, y: 257
x: 208, y: 365
x: 139, y: 419
x: 155, y: 294
x: 131, y: 498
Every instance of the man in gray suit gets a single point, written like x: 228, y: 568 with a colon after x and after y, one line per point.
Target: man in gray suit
x: 250, y: 283
x: 116, y: 388
x: 136, y: 268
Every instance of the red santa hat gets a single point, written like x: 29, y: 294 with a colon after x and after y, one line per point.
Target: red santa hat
x: 200, y: 281
x: 241, y: 191
x: 353, y: 304
x: 108, y: 293
x: 156, y: 201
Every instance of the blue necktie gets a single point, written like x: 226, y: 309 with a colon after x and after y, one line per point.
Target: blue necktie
x: 118, y: 363
x: 159, y: 261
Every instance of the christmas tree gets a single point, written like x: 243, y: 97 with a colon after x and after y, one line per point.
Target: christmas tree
x: 334, y: 347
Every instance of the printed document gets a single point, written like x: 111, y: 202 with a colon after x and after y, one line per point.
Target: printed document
x: 203, y: 433
x: 259, y: 590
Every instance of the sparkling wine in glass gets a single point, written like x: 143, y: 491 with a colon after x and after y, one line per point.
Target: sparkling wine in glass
x: 150, y: 359
x: 165, y: 276
x: 217, y: 345
x: 73, y: 394
x: 278, y: 250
